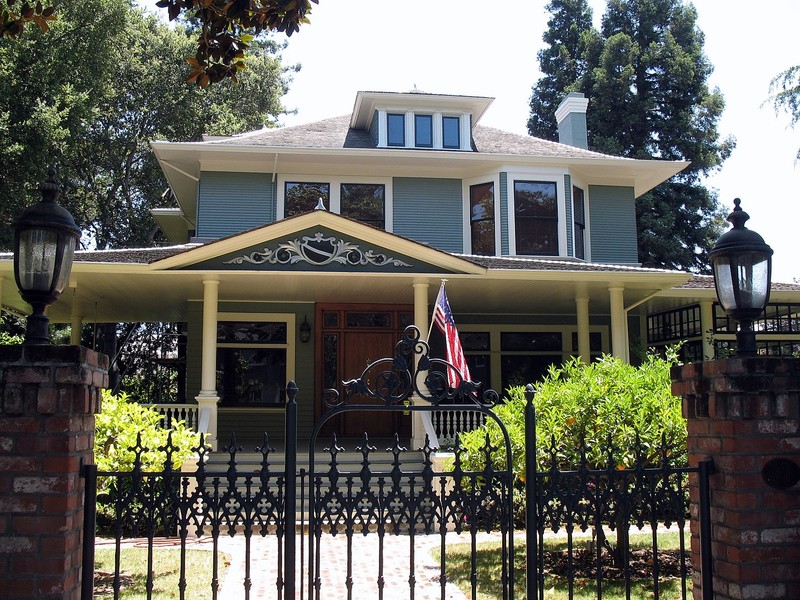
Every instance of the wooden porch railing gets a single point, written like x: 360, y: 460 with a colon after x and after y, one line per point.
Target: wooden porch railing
x: 170, y: 413
x: 449, y: 423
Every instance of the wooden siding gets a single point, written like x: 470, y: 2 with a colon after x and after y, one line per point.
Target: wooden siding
x: 232, y: 202
x: 504, y: 214
x: 612, y: 219
x: 429, y: 211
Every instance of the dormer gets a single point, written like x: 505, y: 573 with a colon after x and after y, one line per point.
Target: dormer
x: 420, y: 121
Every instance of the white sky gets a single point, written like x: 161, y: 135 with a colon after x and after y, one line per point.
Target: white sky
x: 488, y: 48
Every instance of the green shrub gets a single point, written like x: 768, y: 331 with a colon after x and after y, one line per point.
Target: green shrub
x: 122, y: 429
x: 582, y: 410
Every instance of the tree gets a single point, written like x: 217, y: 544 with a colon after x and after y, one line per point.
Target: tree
x: 645, y: 75
x: 785, y: 95
x: 221, y: 41
x: 91, y: 93
x: 561, y: 63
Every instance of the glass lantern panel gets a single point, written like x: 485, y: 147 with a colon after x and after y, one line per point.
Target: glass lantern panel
x: 752, y: 271
x: 37, y: 259
x: 723, y: 280
x: 66, y: 264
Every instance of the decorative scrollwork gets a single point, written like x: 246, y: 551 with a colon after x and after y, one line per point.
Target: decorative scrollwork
x: 318, y: 250
x: 412, y: 371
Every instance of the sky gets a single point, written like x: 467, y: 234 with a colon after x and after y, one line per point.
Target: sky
x: 488, y: 48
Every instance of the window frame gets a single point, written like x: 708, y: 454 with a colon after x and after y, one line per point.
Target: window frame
x: 402, y: 118
x: 335, y: 183
x: 457, y: 119
x: 290, y: 319
x: 417, y: 118
x: 295, y: 182
x: 544, y: 176
x: 383, y: 207
x: 576, y: 226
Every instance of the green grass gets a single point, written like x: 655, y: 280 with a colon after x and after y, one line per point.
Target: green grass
x: 166, y: 568
x: 489, y: 572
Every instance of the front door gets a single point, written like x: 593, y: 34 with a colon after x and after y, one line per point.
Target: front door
x: 350, y: 337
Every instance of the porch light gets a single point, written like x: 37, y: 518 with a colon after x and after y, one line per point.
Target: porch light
x: 45, y: 237
x: 305, y: 331
x: 742, y: 264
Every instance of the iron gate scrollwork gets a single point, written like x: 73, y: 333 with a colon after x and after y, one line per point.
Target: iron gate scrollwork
x: 411, y: 502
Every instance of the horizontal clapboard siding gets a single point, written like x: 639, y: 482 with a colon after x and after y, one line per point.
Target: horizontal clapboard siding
x: 612, y: 217
x: 429, y: 211
x: 232, y: 202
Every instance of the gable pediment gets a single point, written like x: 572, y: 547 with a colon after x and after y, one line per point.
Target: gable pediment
x: 319, y: 241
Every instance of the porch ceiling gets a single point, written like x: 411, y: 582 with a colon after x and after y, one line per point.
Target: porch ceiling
x: 106, y: 293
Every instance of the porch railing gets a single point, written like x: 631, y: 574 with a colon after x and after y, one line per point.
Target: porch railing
x: 450, y: 423
x: 170, y: 413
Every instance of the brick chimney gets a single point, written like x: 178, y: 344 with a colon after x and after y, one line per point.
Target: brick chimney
x: 571, y: 118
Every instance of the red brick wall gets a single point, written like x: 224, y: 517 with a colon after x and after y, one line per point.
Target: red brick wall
x: 743, y: 413
x: 48, y: 398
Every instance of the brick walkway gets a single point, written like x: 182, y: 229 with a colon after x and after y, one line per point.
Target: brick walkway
x: 333, y: 558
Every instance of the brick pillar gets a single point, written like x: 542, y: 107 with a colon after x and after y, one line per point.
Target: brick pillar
x: 744, y: 414
x: 48, y: 398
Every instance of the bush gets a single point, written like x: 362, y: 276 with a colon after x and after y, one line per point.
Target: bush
x: 583, y: 410
x: 125, y: 429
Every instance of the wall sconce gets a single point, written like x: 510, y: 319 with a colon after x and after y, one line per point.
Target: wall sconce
x: 45, y: 238
x: 305, y: 331
x: 742, y: 264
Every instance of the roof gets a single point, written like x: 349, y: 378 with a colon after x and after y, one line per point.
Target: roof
x: 335, y: 133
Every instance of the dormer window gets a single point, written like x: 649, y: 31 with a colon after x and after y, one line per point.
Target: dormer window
x: 451, y: 132
x: 395, y: 129
x: 423, y: 131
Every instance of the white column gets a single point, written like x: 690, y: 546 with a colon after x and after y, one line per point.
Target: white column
x: 582, y: 310
x: 76, y: 319
x: 707, y: 328
x: 619, y: 330
x: 421, y: 421
x: 208, y: 398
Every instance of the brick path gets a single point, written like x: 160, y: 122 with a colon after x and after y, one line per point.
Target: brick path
x: 333, y: 558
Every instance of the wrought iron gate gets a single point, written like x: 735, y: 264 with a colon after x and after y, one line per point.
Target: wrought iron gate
x: 392, y: 500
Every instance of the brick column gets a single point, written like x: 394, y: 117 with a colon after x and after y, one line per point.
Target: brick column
x: 48, y: 398
x: 744, y: 414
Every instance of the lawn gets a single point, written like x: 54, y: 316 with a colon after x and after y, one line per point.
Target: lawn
x: 166, y: 568
x: 489, y: 570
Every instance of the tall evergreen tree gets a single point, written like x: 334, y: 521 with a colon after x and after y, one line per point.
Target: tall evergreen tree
x: 646, y: 75
x: 561, y: 63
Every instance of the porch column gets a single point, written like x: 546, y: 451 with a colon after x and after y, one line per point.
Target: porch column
x: 619, y: 335
x: 421, y: 421
x: 208, y: 398
x: 76, y: 320
x: 707, y: 328
x: 582, y: 309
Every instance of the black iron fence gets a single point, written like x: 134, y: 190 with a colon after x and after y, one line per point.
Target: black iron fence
x: 322, y: 515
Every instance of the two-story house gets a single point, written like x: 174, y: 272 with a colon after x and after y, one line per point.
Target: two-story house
x: 302, y: 253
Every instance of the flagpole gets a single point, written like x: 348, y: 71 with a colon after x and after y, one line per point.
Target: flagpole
x: 430, y: 329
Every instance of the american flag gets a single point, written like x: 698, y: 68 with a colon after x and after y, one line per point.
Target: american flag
x: 443, y: 317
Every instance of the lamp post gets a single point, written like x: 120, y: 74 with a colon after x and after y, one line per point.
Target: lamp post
x: 742, y: 265
x: 45, y: 237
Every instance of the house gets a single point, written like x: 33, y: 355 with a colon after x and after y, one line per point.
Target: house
x: 302, y: 253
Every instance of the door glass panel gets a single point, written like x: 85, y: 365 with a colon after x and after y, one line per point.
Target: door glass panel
x: 381, y: 320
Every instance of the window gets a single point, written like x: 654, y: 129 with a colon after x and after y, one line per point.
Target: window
x: 536, y: 217
x: 423, y: 131
x: 251, y: 363
x: 579, y: 219
x: 481, y: 202
x: 396, y: 129
x: 364, y: 202
x: 451, y: 134
x: 303, y: 197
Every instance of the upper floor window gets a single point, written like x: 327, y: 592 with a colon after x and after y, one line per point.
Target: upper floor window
x: 365, y: 202
x: 423, y: 131
x: 396, y: 129
x: 451, y: 132
x: 536, y: 217
x: 301, y: 197
x: 481, y: 203
x: 579, y: 222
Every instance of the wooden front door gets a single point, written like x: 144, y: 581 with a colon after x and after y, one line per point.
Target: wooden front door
x: 350, y: 337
